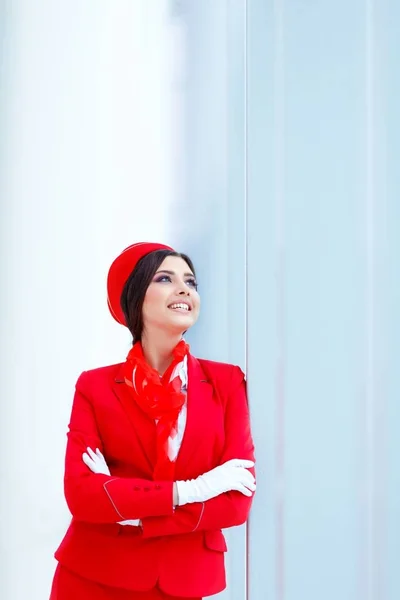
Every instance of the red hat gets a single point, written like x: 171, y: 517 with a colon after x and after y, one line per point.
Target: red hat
x: 119, y: 273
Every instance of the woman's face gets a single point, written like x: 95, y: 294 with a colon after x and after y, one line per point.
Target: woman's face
x: 171, y: 301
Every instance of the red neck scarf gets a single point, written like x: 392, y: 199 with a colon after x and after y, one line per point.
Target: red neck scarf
x: 161, y: 398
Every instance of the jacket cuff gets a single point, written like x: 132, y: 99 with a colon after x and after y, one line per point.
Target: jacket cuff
x: 185, y: 519
x: 132, y: 500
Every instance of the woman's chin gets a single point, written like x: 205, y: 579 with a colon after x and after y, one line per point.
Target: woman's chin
x: 180, y: 323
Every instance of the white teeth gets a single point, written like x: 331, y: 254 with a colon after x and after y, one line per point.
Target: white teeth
x: 183, y: 306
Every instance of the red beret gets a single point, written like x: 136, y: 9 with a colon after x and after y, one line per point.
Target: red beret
x: 119, y: 273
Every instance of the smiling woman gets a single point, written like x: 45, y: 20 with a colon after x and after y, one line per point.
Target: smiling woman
x: 159, y: 449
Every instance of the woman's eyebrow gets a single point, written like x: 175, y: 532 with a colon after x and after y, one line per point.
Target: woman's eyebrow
x: 173, y: 273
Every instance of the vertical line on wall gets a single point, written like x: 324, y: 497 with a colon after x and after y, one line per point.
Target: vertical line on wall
x: 370, y: 431
x: 245, y: 190
x: 246, y: 232
x: 279, y: 154
x: 224, y: 15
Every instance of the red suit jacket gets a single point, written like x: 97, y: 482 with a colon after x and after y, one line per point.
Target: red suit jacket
x: 181, y: 550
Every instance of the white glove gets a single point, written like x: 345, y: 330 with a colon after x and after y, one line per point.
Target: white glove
x: 97, y: 463
x: 232, y: 475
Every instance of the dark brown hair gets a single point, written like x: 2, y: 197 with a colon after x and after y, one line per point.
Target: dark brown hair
x: 135, y: 288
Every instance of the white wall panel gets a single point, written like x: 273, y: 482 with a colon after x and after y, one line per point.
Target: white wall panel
x: 87, y: 151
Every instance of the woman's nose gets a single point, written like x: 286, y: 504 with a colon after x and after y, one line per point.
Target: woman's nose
x: 184, y: 291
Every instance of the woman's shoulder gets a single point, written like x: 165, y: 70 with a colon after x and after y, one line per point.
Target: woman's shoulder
x: 221, y: 370
x: 107, y: 373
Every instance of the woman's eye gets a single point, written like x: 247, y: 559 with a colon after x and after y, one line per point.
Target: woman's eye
x: 192, y: 283
x: 166, y: 278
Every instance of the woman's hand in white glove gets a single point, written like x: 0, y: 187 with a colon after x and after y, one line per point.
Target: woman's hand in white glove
x: 95, y: 461
x: 97, y: 464
x: 231, y: 476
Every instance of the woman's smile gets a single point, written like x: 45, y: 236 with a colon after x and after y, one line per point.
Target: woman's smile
x: 180, y: 307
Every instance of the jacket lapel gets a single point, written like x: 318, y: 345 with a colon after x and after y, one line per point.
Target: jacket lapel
x: 144, y: 428
x: 199, y: 396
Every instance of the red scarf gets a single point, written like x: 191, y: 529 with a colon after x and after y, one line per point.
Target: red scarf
x: 160, y: 398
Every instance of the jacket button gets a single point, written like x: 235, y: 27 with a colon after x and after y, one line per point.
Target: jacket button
x: 146, y: 489
x: 136, y: 488
x: 158, y: 487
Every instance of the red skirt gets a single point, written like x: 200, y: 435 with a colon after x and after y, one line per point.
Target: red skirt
x: 69, y: 586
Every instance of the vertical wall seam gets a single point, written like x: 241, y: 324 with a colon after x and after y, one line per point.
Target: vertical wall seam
x: 279, y: 152
x: 370, y: 430
x: 246, y: 237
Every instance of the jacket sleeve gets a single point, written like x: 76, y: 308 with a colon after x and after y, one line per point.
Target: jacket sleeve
x: 231, y: 508
x: 98, y: 498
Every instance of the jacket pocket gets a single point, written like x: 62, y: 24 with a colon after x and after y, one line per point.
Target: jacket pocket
x: 215, y: 540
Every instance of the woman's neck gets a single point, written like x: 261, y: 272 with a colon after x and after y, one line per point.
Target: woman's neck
x: 158, y: 349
